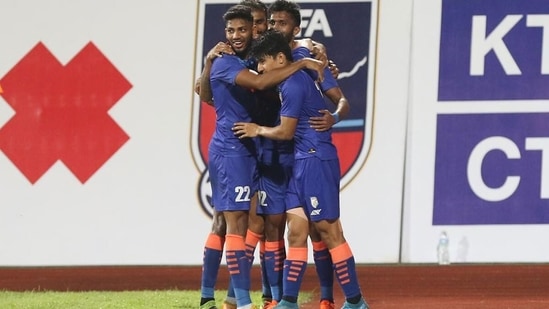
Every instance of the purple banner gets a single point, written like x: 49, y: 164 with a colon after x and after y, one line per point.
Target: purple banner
x: 494, y: 50
x: 489, y: 169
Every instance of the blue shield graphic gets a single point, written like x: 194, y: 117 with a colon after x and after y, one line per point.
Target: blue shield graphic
x: 352, y: 48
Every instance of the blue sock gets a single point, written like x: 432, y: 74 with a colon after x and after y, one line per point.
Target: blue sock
x: 324, y: 271
x: 213, y: 251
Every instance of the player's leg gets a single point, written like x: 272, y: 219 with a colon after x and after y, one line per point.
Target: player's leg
x: 275, y: 254
x: 240, y: 179
x: 253, y: 235
x: 295, y: 264
x: 329, y: 227
x: 238, y: 263
x: 324, y: 269
x: 230, y: 299
x: 266, y: 293
x: 297, y: 237
x: 213, y: 248
x: 343, y: 262
x: 213, y: 252
x: 274, y: 177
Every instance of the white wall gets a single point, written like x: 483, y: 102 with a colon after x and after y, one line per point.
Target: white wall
x: 141, y: 205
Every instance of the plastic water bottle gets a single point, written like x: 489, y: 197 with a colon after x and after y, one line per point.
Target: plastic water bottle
x: 442, y: 249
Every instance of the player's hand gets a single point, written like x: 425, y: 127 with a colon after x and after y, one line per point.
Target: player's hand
x: 319, y: 52
x: 245, y: 129
x: 333, y: 69
x: 316, y: 65
x: 322, y: 123
x: 218, y: 50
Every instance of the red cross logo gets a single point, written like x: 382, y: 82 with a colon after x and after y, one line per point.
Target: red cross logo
x: 61, y: 112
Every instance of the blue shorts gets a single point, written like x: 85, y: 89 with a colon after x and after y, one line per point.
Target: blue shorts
x: 274, y: 175
x: 315, y: 187
x: 234, y: 181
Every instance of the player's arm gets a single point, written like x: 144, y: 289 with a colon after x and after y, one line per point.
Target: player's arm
x: 318, y: 51
x: 197, y: 91
x: 202, y: 84
x: 197, y: 85
x: 284, y: 131
x: 328, y: 119
x: 205, y: 89
x: 252, y: 80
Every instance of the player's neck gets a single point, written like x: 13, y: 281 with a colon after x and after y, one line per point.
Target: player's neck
x: 294, y: 44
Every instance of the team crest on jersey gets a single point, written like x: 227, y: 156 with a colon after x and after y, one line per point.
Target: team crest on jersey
x: 314, y: 201
x: 352, y: 49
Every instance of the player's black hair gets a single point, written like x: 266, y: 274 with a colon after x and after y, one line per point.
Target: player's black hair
x: 270, y: 43
x: 238, y: 11
x: 255, y: 5
x: 289, y: 7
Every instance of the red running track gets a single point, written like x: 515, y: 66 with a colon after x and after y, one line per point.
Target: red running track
x: 425, y: 286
